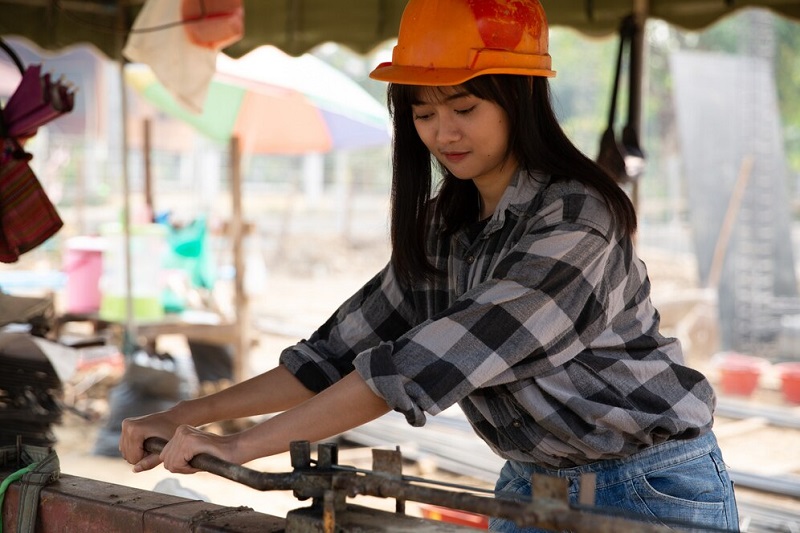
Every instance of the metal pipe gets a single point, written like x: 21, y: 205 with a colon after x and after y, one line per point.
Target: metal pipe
x: 314, y: 483
x: 246, y: 476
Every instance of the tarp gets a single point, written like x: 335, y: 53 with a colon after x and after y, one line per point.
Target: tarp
x: 298, y: 25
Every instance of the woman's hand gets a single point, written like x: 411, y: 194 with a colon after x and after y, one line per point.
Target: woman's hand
x: 136, y: 430
x: 189, y: 441
x: 344, y: 405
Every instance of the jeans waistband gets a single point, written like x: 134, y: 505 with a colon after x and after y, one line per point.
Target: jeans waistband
x: 612, y: 471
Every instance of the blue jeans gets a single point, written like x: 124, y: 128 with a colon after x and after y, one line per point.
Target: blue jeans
x: 679, y: 481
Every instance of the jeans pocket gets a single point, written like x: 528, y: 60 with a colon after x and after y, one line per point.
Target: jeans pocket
x: 696, y: 492
x: 511, y: 484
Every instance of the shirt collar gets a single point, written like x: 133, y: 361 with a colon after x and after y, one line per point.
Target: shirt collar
x: 518, y: 196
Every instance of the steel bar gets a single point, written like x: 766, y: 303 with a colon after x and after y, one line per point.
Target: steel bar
x: 768, y: 518
x: 783, y: 485
x: 246, y: 476
x: 544, y: 513
x: 776, y: 416
x: 314, y: 483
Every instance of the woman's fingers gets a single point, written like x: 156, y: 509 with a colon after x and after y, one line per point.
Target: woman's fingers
x: 130, y: 443
x: 148, y: 462
x: 183, y: 446
x: 136, y: 430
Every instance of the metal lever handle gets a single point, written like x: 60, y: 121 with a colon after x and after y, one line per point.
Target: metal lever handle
x: 241, y: 474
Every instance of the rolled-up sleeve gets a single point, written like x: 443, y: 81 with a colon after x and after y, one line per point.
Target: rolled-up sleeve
x: 377, y: 313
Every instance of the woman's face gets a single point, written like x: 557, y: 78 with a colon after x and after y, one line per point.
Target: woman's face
x: 468, y: 135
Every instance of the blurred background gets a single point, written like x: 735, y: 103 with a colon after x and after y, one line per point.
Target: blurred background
x: 264, y: 243
x: 711, y: 100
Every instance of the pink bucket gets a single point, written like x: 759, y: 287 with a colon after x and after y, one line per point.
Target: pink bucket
x: 83, y: 264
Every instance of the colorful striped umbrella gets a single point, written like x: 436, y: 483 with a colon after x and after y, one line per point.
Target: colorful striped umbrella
x: 277, y: 104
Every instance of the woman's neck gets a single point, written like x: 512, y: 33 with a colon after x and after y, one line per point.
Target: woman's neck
x: 491, y: 190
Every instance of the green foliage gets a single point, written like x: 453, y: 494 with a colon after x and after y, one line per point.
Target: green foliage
x: 787, y: 68
x: 582, y: 86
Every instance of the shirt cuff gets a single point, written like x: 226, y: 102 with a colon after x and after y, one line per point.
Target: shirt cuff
x: 309, y: 368
x: 377, y: 367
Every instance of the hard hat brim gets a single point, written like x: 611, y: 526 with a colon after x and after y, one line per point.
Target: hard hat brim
x: 405, y: 75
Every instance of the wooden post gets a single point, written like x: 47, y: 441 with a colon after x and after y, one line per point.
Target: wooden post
x: 130, y: 326
x: 241, y: 310
x: 641, y: 12
x: 729, y: 222
x: 148, y: 170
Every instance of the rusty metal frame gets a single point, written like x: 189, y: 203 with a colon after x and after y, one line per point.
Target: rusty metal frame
x: 329, y: 485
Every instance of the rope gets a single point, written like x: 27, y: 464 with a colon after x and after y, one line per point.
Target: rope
x: 8, y: 481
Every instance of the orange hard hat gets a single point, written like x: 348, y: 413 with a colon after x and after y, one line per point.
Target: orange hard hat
x: 447, y: 42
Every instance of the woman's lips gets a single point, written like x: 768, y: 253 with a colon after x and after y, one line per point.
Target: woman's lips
x: 454, y: 157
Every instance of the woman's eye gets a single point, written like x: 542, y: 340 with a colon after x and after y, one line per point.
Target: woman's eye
x: 466, y: 110
x: 422, y: 116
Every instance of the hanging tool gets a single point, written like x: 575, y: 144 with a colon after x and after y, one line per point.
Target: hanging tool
x: 625, y: 159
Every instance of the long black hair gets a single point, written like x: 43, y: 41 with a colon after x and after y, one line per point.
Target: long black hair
x: 536, y: 139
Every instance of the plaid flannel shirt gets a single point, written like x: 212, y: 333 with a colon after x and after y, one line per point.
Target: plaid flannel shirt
x: 542, y: 330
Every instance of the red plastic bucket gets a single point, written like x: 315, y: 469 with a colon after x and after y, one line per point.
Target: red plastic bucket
x: 739, y: 374
x: 790, y: 381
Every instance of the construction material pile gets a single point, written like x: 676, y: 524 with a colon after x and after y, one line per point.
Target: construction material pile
x: 30, y: 391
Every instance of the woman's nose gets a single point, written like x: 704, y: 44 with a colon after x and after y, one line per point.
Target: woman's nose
x: 447, y: 129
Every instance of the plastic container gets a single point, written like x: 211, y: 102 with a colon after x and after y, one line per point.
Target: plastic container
x: 148, y: 246
x: 83, y: 265
x: 790, y: 381
x: 739, y: 374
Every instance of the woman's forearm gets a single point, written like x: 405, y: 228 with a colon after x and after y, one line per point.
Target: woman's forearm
x: 346, y: 404
x: 270, y: 392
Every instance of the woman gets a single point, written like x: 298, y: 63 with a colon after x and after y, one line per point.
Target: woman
x: 513, y: 289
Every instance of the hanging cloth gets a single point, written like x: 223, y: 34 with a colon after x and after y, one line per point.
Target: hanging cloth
x: 623, y: 160
x: 37, y: 100
x: 27, y: 217
x: 179, y: 40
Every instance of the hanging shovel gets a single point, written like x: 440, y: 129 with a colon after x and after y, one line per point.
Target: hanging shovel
x: 610, y: 156
x: 623, y: 160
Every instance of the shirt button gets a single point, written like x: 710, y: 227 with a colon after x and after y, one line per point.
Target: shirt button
x: 516, y: 423
x: 470, y: 259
